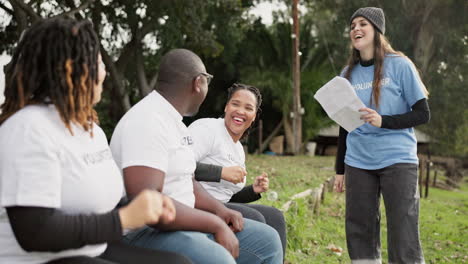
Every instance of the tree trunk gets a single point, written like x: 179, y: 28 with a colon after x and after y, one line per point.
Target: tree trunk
x: 20, y: 16
x: 288, y: 132
x: 424, y: 49
x: 27, y: 11
x: 143, y: 85
x: 270, y: 137
x: 115, y: 81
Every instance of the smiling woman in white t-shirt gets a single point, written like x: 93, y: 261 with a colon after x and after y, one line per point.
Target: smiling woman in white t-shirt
x: 217, y: 142
x: 59, y: 184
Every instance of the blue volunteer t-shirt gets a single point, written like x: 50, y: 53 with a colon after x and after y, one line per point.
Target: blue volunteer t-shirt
x: 370, y: 147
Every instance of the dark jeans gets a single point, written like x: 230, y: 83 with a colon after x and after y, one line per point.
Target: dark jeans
x: 398, y: 185
x: 126, y: 254
x: 265, y: 214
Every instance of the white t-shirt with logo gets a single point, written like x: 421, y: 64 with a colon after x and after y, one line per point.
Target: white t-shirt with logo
x: 43, y: 165
x: 214, y: 145
x: 152, y: 134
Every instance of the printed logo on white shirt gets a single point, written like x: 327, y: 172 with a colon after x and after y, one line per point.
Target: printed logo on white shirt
x: 187, y: 141
x: 97, y: 157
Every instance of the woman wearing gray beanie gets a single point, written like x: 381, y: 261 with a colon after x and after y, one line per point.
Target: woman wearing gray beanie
x: 379, y: 157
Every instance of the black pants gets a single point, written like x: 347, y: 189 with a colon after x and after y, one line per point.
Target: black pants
x: 265, y: 214
x: 122, y: 253
x: 398, y: 184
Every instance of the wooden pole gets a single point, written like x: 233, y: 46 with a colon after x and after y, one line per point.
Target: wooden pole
x: 420, y: 178
x: 435, y: 179
x: 428, y: 172
x: 260, y: 136
x: 296, y: 70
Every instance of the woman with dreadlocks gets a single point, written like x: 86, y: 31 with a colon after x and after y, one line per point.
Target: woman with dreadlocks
x: 221, y: 158
x: 58, y: 182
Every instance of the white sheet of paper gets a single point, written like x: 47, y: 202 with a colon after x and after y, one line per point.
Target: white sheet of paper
x: 340, y: 101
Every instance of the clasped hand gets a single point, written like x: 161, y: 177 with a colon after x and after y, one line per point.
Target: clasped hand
x: 371, y: 117
x: 149, y: 207
x: 232, y: 218
x: 261, y: 183
x: 234, y: 174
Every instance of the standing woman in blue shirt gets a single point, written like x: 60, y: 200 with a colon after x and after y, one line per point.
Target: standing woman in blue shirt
x: 380, y: 157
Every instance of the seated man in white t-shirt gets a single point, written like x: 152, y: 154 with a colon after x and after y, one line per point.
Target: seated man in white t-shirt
x: 151, y: 145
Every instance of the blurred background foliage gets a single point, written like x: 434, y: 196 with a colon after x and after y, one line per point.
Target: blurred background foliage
x: 238, y: 46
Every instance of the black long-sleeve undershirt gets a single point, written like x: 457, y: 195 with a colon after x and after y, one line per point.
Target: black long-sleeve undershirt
x: 341, y: 151
x: 419, y: 114
x: 208, y: 172
x: 246, y: 195
x: 49, y: 229
x: 212, y: 173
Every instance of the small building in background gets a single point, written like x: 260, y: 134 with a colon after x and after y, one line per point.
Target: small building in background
x: 327, y: 140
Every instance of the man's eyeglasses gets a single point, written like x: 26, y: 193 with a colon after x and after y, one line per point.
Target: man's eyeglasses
x: 208, y: 76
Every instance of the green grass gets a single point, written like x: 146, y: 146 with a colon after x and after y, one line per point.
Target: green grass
x: 444, y: 225
x: 443, y: 216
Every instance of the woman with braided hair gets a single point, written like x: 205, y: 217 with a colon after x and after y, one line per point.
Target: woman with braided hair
x: 59, y: 184
x: 221, y: 158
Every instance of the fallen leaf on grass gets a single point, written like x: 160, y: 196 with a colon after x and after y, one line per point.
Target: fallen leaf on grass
x: 337, y: 250
x: 335, y: 213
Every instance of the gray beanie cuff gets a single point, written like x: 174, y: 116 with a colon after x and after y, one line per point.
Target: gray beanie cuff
x: 374, y: 14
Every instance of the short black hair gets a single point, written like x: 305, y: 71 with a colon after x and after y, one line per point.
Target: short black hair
x: 178, y: 67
